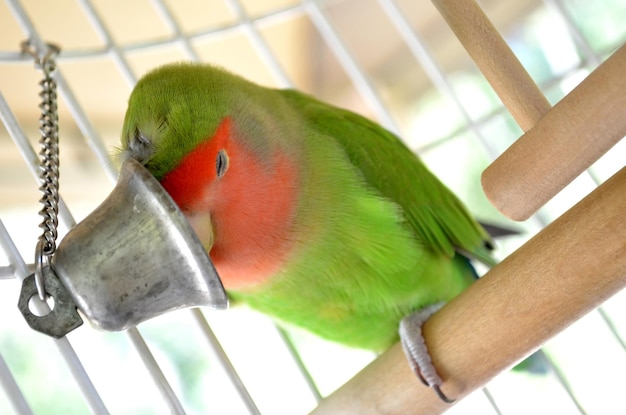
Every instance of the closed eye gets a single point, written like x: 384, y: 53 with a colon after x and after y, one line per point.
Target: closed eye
x: 141, y: 148
x: 141, y: 139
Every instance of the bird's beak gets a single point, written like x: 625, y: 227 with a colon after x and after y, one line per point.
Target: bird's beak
x: 203, y: 227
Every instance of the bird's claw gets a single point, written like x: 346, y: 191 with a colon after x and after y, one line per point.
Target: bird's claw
x: 416, y: 351
x: 441, y: 395
x: 435, y: 386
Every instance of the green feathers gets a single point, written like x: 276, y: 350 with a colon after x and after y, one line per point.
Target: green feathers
x: 374, y: 237
x: 175, y: 107
x: 380, y: 234
x: 393, y: 171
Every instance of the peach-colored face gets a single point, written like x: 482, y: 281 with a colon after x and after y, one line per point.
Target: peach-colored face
x: 242, y: 211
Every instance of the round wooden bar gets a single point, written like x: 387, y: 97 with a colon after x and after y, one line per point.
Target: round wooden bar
x: 567, y: 140
x: 564, y: 272
x: 517, y: 90
x: 559, y: 143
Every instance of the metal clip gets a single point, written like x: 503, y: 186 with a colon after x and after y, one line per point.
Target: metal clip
x: 51, y: 52
x: 63, y: 317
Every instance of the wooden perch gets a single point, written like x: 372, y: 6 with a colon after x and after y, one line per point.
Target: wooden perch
x: 506, y: 75
x: 567, y: 140
x: 559, y: 144
x: 564, y: 272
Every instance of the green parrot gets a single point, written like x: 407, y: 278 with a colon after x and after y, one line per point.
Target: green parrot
x: 311, y: 214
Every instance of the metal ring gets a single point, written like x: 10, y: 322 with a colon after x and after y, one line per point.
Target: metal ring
x: 39, y: 266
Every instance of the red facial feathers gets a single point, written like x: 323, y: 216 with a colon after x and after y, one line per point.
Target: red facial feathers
x: 251, y: 207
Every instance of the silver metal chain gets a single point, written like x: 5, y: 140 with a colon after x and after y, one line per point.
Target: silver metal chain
x: 49, y: 153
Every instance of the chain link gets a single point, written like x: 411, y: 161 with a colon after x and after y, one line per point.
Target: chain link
x: 49, y: 153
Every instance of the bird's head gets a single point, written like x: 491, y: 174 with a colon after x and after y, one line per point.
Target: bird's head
x: 224, y: 150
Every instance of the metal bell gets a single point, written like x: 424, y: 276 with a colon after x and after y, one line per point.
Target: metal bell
x: 136, y: 257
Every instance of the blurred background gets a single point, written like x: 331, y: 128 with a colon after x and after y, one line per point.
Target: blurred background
x: 396, y: 62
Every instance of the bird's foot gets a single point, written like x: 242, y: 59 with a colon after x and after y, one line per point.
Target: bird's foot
x: 416, y: 351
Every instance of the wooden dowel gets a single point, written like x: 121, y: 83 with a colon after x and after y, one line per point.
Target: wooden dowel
x: 566, y: 141
x: 565, y: 271
x: 497, y: 62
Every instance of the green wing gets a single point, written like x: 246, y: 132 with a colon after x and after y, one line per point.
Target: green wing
x: 436, y: 215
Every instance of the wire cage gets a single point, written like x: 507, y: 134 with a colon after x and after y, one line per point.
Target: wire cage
x: 396, y: 62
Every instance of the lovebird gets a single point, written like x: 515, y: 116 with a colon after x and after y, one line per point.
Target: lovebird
x: 311, y: 214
